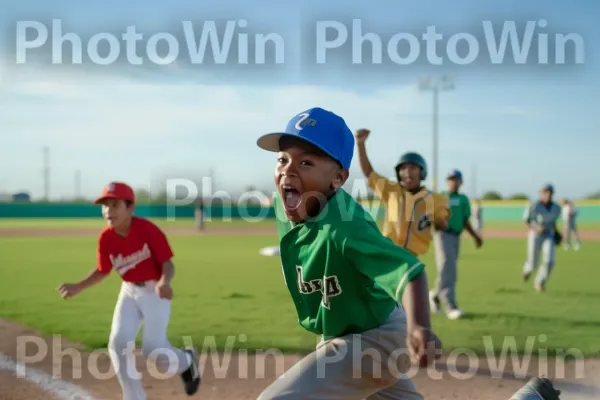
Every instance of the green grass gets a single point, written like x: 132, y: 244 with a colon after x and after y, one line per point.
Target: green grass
x: 223, y: 289
x: 52, y: 223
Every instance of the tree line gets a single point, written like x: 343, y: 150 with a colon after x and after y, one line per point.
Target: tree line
x: 494, y: 195
x: 146, y: 197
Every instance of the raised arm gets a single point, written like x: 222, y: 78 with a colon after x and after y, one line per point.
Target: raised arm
x: 365, y: 165
x: 380, y: 185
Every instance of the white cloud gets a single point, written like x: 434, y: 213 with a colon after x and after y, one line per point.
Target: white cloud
x: 56, y: 89
x: 61, y: 107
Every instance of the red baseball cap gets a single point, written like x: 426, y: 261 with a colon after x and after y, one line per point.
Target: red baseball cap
x: 116, y: 190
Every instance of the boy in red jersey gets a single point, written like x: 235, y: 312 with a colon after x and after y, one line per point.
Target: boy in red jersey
x: 139, y: 251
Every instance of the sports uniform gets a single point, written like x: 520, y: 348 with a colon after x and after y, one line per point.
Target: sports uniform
x: 199, y: 215
x: 447, y: 249
x: 138, y: 257
x: 346, y: 281
x: 477, y: 217
x: 409, y: 216
x: 569, y: 217
x: 541, y: 219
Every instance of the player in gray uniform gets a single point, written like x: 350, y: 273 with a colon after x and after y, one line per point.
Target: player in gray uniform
x: 569, y: 216
x: 541, y: 217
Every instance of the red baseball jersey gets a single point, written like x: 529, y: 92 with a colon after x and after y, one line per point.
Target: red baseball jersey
x: 137, y: 257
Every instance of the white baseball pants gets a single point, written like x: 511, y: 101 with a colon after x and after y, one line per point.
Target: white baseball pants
x: 137, y: 305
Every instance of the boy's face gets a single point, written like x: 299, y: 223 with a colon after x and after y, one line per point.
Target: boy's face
x: 410, y: 176
x: 304, y: 177
x: 545, y: 196
x: 454, y: 184
x: 115, y: 212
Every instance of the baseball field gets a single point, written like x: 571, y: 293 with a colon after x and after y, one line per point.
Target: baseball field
x: 232, y: 304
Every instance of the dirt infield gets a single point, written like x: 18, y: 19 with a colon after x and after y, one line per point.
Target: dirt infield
x: 91, y: 374
x: 241, y: 378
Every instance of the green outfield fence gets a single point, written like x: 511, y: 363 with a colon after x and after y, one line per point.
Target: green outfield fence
x: 493, y: 211
x: 65, y: 210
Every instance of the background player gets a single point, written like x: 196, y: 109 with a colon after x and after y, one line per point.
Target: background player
x: 199, y: 215
x: 269, y: 251
x: 477, y: 216
x: 345, y: 278
x: 569, y: 217
x: 541, y: 217
x: 411, y: 209
x: 447, y: 248
x: 139, y: 251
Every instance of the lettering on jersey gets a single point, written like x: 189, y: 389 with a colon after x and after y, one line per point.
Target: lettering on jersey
x: 424, y: 222
x: 329, y: 287
x: 124, y: 264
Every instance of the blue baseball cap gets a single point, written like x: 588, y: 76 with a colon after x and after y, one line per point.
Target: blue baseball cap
x: 454, y: 174
x: 321, y: 128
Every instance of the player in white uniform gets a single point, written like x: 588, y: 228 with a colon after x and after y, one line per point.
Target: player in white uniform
x: 140, y: 253
x: 569, y: 217
x: 477, y: 216
x: 541, y: 217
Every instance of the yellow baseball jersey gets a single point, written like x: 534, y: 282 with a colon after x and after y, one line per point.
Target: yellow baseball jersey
x: 408, y: 216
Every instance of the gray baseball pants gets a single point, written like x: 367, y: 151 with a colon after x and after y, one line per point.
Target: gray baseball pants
x: 447, y: 248
x: 372, y: 365
x: 536, y: 245
x: 571, y: 235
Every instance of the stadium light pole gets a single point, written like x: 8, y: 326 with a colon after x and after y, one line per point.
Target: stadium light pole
x: 435, y: 85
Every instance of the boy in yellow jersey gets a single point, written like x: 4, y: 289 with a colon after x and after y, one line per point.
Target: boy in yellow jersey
x: 411, y: 208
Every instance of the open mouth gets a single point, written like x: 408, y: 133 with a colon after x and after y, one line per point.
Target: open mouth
x: 291, y: 198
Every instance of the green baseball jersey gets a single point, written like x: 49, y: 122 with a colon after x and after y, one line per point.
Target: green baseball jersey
x: 343, y: 275
x: 460, y: 211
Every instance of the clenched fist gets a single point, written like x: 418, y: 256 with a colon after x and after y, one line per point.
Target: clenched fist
x: 361, y: 135
x: 164, y: 290
x: 424, y: 346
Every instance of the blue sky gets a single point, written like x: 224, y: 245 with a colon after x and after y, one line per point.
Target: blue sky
x: 517, y: 126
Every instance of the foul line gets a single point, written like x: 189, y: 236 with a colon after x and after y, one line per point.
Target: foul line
x: 61, y: 389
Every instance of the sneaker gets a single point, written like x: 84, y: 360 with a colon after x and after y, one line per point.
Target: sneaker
x: 576, y: 247
x: 454, y: 314
x: 191, y: 376
x: 539, y: 287
x: 434, y: 303
x: 526, y: 276
x: 537, y: 389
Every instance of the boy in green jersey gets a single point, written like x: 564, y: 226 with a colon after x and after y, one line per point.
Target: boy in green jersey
x: 364, y: 295
x: 447, y: 248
